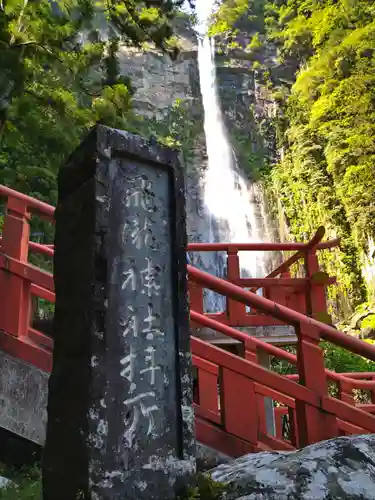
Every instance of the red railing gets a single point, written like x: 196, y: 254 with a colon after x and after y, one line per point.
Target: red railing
x: 230, y: 410
x: 23, y: 281
x: 306, y: 295
x: 313, y: 414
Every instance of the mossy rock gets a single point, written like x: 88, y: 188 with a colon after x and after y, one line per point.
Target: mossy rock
x: 204, y: 488
x: 368, y: 322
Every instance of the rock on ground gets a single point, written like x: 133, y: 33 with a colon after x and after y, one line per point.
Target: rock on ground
x: 5, y: 483
x: 207, y: 458
x: 338, y: 469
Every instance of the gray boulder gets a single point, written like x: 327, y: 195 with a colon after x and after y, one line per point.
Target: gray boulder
x: 341, y: 468
x: 5, y: 483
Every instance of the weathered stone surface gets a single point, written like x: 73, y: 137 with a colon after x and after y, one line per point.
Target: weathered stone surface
x: 338, y: 469
x: 5, y: 483
x: 23, y: 398
x: 120, y: 418
x: 207, y: 458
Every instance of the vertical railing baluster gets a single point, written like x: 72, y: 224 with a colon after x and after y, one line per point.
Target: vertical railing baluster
x: 15, y: 290
x: 313, y: 424
x: 316, y: 299
x: 236, y: 311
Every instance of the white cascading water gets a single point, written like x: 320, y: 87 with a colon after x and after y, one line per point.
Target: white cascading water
x: 230, y: 200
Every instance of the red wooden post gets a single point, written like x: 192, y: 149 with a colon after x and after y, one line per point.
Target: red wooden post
x: 251, y: 354
x: 372, y: 392
x: 235, y: 310
x: 316, y: 300
x: 239, y: 413
x: 208, y: 374
x: 195, y: 300
x: 313, y: 423
x: 346, y: 392
x: 15, y: 290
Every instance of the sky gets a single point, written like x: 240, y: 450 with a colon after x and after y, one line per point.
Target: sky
x: 203, y: 8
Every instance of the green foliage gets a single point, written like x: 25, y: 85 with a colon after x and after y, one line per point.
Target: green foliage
x: 343, y: 361
x: 178, y: 127
x: 205, y: 489
x: 328, y: 128
x: 28, y: 484
x: 255, y: 43
x: 226, y: 16
x: 368, y: 322
x: 325, y: 125
x: 55, y: 83
x: 336, y: 358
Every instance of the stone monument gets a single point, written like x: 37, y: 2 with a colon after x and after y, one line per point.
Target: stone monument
x: 120, y: 417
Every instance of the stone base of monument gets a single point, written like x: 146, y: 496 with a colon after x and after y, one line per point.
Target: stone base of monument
x: 338, y: 469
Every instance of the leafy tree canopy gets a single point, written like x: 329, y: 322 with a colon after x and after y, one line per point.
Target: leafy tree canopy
x: 59, y: 75
x: 326, y: 121
x: 329, y: 134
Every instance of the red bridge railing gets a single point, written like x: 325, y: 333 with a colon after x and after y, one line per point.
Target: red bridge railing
x: 306, y: 295
x: 21, y: 282
x: 231, y: 389
x: 314, y: 414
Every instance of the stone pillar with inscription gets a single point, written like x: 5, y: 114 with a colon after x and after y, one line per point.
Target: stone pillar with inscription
x: 120, y: 417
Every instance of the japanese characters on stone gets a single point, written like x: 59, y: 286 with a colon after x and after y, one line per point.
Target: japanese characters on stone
x: 141, y: 325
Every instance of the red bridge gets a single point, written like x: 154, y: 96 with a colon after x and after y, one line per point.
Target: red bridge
x: 241, y: 405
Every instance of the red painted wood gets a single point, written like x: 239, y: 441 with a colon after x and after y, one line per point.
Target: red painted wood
x: 240, y: 414
x: 208, y: 390
x: 35, y: 206
x: 275, y: 443
x: 210, y: 416
x: 346, y: 392
x: 15, y: 291
x: 282, y: 313
x: 313, y: 424
x: 349, y: 413
x: 25, y: 350
x: 235, y: 310
x: 238, y: 425
x: 251, y: 354
x: 27, y: 272
x: 43, y: 293
x: 349, y: 429
x: 218, y: 439
x: 316, y: 297
x: 40, y: 339
x: 275, y: 395
x: 195, y: 299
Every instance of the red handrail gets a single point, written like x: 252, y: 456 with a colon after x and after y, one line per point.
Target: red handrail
x: 218, y: 247
x: 276, y: 351
x: 35, y: 206
x: 280, y: 312
x: 318, y: 415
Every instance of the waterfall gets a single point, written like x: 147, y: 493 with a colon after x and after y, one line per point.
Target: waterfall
x: 230, y: 201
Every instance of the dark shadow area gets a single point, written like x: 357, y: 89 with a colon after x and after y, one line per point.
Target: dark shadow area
x: 17, y: 452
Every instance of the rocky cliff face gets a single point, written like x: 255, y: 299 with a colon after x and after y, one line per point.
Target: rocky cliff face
x: 159, y: 82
